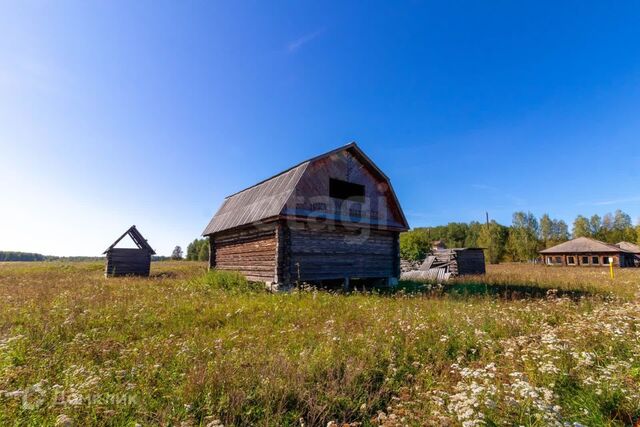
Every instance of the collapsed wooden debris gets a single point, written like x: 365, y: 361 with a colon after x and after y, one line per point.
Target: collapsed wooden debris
x: 443, y: 264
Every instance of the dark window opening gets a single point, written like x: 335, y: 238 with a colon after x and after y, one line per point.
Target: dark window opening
x: 595, y: 260
x: 571, y: 260
x: 558, y: 260
x: 344, y: 190
x: 605, y: 260
x: 585, y: 260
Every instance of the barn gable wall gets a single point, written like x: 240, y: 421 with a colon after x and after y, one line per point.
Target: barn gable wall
x: 310, y: 197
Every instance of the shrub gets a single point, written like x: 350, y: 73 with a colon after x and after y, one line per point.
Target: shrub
x: 229, y: 281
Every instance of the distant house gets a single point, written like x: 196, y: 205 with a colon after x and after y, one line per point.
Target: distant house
x: 585, y: 251
x: 631, y: 247
x: 334, y: 216
x: 129, y: 261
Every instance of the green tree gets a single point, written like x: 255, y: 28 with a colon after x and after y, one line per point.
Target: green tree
x: 473, y: 234
x: 595, y: 227
x: 607, y: 224
x: 621, y: 220
x: 456, y: 234
x: 622, y: 228
x: 203, y: 252
x: 523, y: 243
x: 560, y: 231
x: 546, y: 229
x: 191, y: 251
x: 581, y: 227
x: 492, y: 237
x: 198, y: 250
x: 415, y: 244
x: 177, y: 253
x: 552, y: 231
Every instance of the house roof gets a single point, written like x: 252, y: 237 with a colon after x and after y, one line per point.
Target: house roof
x: 629, y: 247
x: 137, y: 238
x: 267, y: 198
x: 582, y: 245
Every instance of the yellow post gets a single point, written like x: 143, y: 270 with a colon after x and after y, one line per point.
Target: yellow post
x: 611, y: 266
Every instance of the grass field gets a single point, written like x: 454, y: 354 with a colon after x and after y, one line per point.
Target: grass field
x: 526, y: 345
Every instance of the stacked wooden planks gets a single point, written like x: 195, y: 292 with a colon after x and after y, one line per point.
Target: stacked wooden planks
x: 445, y: 263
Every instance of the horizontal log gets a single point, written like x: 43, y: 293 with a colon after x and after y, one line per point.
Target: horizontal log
x: 257, y: 242
x: 245, y: 265
x: 244, y: 238
x: 247, y: 251
x: 129, y: 260
x: 246, y: 269
x: 127, y: 251
x: 128, y: 263
x: 251, y: 258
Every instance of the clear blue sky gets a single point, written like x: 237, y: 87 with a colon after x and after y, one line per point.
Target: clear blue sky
x: 149, y: 113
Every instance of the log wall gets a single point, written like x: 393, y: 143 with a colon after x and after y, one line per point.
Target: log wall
x: 124, y: 262
x: 335, y: 252
x: 250, y: 251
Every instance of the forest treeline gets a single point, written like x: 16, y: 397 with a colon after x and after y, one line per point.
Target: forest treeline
x: 21, y: 256
x: 198, y: 250
x: 30, y: 256
x: 521, y: 240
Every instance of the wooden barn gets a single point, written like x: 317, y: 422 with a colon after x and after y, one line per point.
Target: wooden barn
x: 332, y: 217
x: 585, y: 251
x: 129, y: 261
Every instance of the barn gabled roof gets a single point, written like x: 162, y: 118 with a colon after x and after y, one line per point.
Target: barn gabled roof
x: 137, y: 238
x: 267, y: 198
x: 582, y: 245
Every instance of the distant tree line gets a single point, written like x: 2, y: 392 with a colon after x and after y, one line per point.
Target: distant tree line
x: 198, y: 250
x: 520, y: 241
x: 21, y: 256
x: 29, y: 256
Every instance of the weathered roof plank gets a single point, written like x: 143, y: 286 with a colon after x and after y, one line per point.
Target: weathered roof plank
x: 137, y: 238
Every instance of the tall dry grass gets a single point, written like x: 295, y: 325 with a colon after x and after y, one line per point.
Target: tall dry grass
x: 186, y: 348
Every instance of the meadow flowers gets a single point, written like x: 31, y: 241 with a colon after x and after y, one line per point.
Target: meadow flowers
x: 186, y: 349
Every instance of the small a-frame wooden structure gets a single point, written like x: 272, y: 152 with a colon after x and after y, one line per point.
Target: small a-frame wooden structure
x: 129, y: 261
